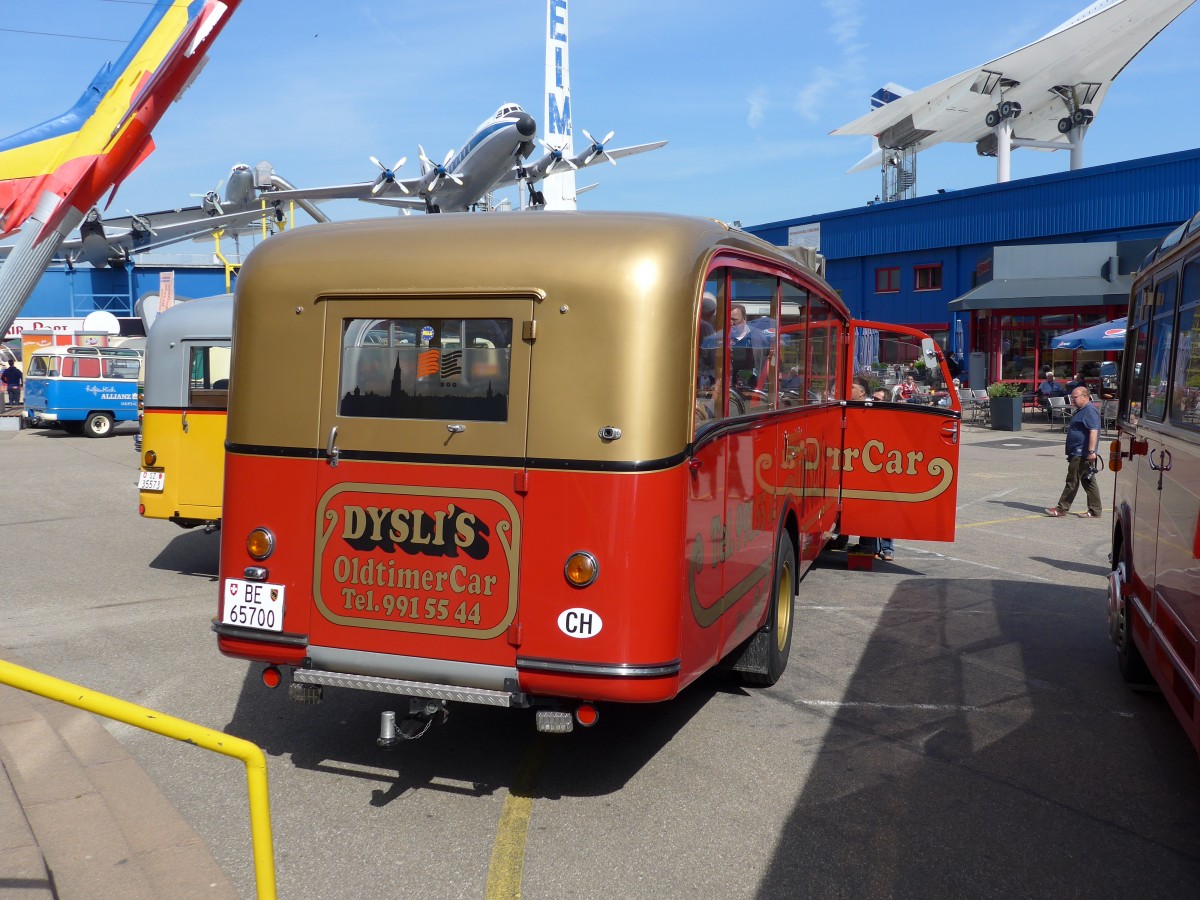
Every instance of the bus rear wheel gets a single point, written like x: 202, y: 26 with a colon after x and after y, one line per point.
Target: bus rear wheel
x: 779, y: 622
x: 1130, y: 662
x: 98, y: 424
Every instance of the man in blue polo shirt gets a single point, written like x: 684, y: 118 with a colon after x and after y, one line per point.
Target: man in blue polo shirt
x: 1082, y: 436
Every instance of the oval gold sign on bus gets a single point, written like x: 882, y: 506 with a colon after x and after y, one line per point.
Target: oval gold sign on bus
x: 579, y: 623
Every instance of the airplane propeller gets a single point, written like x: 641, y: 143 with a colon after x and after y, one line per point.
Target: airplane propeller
x: 597, y: 148
x: 140, y: 223
x: 388, y: 176
x: 437, y: 171
x: 212, y: 199
x: 555, y: 155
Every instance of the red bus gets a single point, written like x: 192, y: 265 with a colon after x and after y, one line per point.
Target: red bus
x: 547, y: 461
x: 1154, y: 595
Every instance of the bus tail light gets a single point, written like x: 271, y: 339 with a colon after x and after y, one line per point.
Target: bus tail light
x: 149, y: 458
x: 260, y: 543
x: 271, y: 676
x: 1114, y: 456
x: 587, y: 715
x: 581, y: 568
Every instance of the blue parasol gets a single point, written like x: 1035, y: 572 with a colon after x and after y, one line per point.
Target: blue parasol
x: 1106, y: 336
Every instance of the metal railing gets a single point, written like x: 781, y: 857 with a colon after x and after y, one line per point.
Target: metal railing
x: 189, y: 732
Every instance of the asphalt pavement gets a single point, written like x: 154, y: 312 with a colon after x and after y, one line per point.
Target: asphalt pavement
x: 951, y: 724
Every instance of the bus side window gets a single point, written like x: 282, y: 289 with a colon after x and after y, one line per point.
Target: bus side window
x: 87, y: 367
x: 752, y: 342
x: 710, y: 350
x: 1185, y: 396
x: 824, y: 349
x: 1160, y: 354
x: 793, y: 345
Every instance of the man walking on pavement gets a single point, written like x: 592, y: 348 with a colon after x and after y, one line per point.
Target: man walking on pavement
x: 12, y: 378
x: 1082, y: 436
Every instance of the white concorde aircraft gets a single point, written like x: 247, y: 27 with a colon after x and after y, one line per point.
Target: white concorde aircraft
x: 1043, y: 95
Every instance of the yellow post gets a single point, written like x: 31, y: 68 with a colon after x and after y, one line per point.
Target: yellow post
x: 180, y: 730
x: 229, y: 267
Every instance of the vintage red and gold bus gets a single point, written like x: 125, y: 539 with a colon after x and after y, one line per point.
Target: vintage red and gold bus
x: 1154, y: 596
x: 547, y: 460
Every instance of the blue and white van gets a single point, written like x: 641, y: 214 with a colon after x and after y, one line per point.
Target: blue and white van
x: 82, y: 389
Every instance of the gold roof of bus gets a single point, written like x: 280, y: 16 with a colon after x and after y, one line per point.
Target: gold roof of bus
x: 622, y: 351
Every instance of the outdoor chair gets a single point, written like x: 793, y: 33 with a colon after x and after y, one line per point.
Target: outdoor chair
x: 1108, y: 416
x: 1059, y: 411
x: 981, y: 407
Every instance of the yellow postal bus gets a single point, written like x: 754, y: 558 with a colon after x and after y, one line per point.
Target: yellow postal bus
x: 185, y: 401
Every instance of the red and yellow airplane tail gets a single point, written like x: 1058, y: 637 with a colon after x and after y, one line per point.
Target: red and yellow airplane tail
x: 96, y: 144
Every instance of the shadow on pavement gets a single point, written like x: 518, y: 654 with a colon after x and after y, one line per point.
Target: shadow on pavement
x: 1070, y: 566
x: 478, y: 750
x: 985, y: 749
x: 191, y: 552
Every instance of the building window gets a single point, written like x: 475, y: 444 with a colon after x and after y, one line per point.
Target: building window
x: 887, y: 281
x: 927, y: 278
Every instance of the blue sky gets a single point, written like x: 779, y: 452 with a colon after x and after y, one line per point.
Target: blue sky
x: 745, y: 93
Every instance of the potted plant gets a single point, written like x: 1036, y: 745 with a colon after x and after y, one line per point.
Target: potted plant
x: 1006, y: 402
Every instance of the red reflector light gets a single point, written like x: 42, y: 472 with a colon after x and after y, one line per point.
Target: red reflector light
x: 141, y: 509
x: 587, y: 715
x: 271, y: 677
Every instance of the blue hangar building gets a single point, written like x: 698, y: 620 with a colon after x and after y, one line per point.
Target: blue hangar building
x: 995, y: 273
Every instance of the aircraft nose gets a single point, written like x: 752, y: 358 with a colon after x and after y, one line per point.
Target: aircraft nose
x: 526, y: 127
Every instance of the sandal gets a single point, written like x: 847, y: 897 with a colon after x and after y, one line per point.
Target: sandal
x: 885, y: 555
x: 1054, y: 513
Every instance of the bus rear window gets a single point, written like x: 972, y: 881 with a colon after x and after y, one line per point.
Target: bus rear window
x: 425, y: 369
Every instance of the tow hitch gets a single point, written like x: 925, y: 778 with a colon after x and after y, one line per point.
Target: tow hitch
x: 421, y: 714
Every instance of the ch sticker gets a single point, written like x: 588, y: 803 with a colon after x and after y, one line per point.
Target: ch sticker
x: 579, y: 623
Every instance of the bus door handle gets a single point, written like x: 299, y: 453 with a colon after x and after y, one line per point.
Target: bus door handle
x: 185, y: 422
x: 1164, y: 461
x: 331, y: 451
x: 950, y: 431
x: 790, y: 450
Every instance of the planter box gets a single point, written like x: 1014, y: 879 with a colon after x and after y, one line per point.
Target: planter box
x: 1006, y: 413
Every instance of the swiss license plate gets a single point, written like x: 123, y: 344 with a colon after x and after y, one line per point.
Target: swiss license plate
x: 253, y: 604
x: 151, y: 481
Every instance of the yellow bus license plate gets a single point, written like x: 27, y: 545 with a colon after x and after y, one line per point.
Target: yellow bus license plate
x: 151, y: 481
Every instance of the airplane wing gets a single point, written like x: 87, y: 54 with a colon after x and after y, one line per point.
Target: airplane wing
x: 398, y: 202
x: 357, y: 191
x: 1072, y: 66
x: 139, y: 240
x: 512, y: 176
x: 622, y: 152
x: 117, y: 238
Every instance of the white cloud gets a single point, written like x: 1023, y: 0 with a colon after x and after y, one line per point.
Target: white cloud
x: 757, y: 101
x: 846, y: 21
x: 811, y: 97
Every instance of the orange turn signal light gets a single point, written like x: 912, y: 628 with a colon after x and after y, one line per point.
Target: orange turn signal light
x: 150, y: 457
x: 581, y: 568
x: 260, y: 543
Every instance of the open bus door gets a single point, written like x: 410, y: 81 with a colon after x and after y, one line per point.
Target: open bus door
x: 899, y: 460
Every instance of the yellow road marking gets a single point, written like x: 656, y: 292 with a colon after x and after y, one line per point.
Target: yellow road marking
x: 508, y: 851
